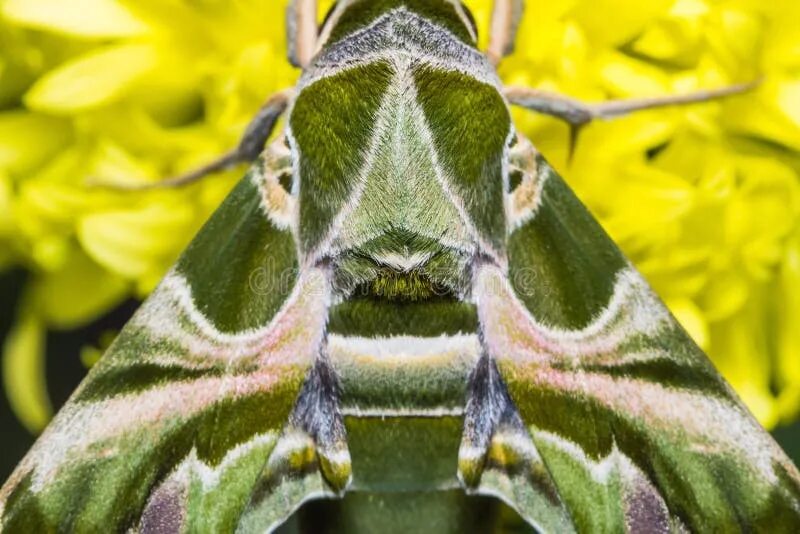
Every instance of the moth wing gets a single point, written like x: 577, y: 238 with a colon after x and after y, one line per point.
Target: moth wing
x: 176, y: 426
x: 634, y: 428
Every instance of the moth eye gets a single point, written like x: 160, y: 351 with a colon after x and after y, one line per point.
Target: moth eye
x: 514, y: 179
x: 285, y: 179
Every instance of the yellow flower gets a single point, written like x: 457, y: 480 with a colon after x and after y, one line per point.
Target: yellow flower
x: 704, y: 199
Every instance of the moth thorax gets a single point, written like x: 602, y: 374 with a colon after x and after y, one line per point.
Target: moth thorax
x: 401, y: 267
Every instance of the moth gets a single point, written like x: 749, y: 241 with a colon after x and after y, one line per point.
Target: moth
x: 403, y: 320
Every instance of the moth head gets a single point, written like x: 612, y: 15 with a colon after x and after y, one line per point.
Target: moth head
x: 348, y: 16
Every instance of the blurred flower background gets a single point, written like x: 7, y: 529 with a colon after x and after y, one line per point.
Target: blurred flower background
x: 704, y: 199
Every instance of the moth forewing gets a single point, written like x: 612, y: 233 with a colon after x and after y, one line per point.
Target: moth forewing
x: 615, y: 396
x: 425, y: 325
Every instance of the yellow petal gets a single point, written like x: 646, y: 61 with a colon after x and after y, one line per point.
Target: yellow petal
x: 768, y: 112
x: 29, y: 139
x: 50, y: 252
x: 614, y: 22
x: 8, y: 252
x: 133, y: 242
x: 689, y: 8
x: 674, y: 40
x: 628, y: 77
x: 739, y: 350
x: 77, y: 293
x: 725, y: 295
x: 788, y: 99
x: 53, y: 202
x: 23, y: 372
x: 736, y: 40
x: 111, y: 164
x: 95, y: 79
x: 85, y: 18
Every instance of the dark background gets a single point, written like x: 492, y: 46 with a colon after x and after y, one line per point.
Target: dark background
x: 65, y: 371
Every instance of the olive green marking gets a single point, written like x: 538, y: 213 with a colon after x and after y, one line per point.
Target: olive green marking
x: 219, y: 508
x: 85, y: 497
x: 364, y: 12
x: 528, y: 485
x: 399, y: 241
x: 240, y: 267
x: 562, y: 265
x: 333, y: 121
x: 469, y: 123
x: 23, y: 512
x: 598, y: 506
x: 371, y: 317
x: 236, y: 420
x: 430, y: 384
x: 403, y: 453
x: 124, y: 380
x: 402, y: 198
x: 135, y: 341
x: 666, y: 370
x: 677, y: 470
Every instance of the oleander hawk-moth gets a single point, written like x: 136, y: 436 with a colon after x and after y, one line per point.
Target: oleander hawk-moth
x: 403, y: 320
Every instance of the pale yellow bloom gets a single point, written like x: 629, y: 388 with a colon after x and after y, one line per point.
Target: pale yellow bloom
x: 704, y: 199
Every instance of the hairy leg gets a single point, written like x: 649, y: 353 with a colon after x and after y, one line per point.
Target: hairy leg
x: 506, y: 16
x: 578, y: 114
x: 301, y: 31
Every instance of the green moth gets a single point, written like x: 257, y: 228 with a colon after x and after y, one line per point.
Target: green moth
x: 403, y: 320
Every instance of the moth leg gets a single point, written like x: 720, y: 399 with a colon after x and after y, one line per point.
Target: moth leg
x: 578, y: 114
x: 506, y: 16
x: 525, y: 197
x: 249, y: 148
x: 301, y: 31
